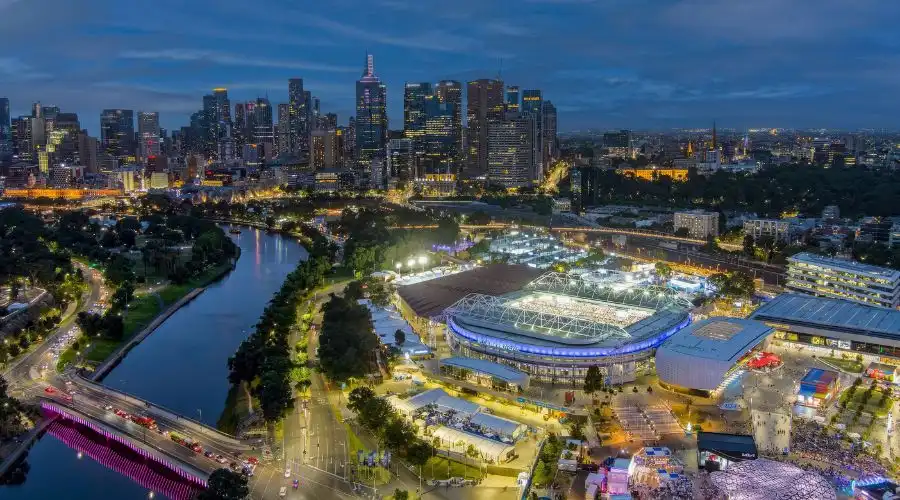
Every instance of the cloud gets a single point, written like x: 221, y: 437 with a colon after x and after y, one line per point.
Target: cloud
x: 435, y: 40
x: 505, y: 29
x: 230, y: 60
x: 13, y: 69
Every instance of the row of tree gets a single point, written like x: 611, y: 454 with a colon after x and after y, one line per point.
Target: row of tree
x: 263, y: 360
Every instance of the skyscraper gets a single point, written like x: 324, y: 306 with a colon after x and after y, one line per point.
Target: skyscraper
x: 87, y: 152
x: 414, y: 95
x: 283, y: 130
x: 298, y: 109
x: 326, y: 149
x: 512, y: 99
x: 148, y: 133
x: 5, y: 126
x: 485, y: 104
x: 263, y: 131
x: 533, y: 104
x: 239, y: 130
x: 401, y: 158
x: 549, y: 131
x: 450, y: 92
x: 439, y: 142
x: 511, y: 150
x: 371, y: 117
x: 117, y: 132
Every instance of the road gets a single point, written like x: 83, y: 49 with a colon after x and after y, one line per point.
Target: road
x: 26, y: 368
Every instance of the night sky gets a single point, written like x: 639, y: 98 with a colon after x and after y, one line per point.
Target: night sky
x: 645, y: 64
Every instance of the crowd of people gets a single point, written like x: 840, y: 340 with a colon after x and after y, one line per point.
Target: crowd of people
x: 840, y: 461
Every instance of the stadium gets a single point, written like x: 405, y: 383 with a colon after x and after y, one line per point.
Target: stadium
x: 560, y: 324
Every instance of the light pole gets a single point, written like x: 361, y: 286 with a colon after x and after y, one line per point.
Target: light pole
x: 410, y: 263
x: 422, y: 261
x: 398, y: 266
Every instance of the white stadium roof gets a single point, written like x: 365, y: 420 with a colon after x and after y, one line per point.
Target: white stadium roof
x: 699, y: 355
x: 717, y: 338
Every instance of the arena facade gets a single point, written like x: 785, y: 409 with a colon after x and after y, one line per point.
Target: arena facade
x: 560, y: 324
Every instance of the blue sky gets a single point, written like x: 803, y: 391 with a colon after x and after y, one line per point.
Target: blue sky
x: 604, y: 63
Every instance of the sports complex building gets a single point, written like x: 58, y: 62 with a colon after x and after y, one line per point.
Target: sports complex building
x: 556, y: 326
x: 834, y: 324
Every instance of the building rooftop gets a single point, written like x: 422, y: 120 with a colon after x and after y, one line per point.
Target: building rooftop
x: 734, y: 443
x: 718, y: 338
x: 819, y: 376
x: 848, y: 266
x: 430, y: 298
x: 502, y: 372
x: 834, y: 314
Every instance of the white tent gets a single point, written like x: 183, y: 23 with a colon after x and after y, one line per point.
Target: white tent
x: 488, y: 448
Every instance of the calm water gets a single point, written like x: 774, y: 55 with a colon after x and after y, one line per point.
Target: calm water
x: 180, y: 366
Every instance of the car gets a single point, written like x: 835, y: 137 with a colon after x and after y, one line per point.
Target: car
x: 221, y: 459
x: 108, y: 407
x: 296, y: 483
x: 49, y: 389
x: 283, y: 491
x: 287, y: 472
x: 67, y: 397
x: 253, y: 460
x: 209, y: 454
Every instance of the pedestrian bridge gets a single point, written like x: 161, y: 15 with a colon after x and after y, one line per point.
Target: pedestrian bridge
x: 148, y: 465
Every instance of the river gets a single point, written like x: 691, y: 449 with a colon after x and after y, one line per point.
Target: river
x: 182, y: 365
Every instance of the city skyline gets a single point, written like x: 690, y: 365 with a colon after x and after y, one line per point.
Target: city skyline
x: 653, y: 65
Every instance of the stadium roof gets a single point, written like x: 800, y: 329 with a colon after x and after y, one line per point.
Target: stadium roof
x: 847, y: 266
x: 834, y: 314
x: 717, y: 338
x: 430, y: 298
x: 502, y: 372
x: 649, y: 297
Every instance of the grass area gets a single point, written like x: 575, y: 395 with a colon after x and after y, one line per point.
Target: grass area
x: 854, y: 401
x: 101, y: 349
x: 437, y: 468
x: 366, y: 474
x: 848, y: 365
x: 354, y: 441
x: 65, y: 358
x: 140, y: 313
x: 339, y: 275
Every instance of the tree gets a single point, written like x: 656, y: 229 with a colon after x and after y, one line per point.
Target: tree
x: 749, y: 249
x: 399, y: 337
x: 347, y: 340
x: 682, y: 232
x: 362, y: 260
x: 128, y: 237
x: 225, y: 485
x: 401, y: 494
x: 593, y: 380
x: 663, y: 270
x: 479, y: 218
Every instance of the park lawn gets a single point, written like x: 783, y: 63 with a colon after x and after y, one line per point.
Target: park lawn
x: 436, y: 468
x: 355, y: 442
x: 65, y: 358
x: 872, y: 406
x: 101, y: 349
x: 141, y: 312
x: 849, y: 365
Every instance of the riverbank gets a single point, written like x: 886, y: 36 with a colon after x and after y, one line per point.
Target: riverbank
x: 145, y: 314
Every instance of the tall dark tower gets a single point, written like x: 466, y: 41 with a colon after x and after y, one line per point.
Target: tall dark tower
x: 715, y: 144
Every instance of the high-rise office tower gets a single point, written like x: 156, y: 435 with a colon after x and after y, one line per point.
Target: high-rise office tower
x: 438, y: 139
x: 148, y: 133
x: 263, y: 130
x: 298, y: 110
x: 117, y: 132
x: 5, y: 126
x: 350, y: 142
x: 87, y: 152
x: 329, y: 121
x: 283, y: 130
x: 20, y: 132
x: 222, y: 125
x: 401, y: 157
x: 549, y: 131
x: 62, y: 141
x: 315, y: 114
x: 326, y: 149
x: 485, y: 104
x: 414, y: 95
x: 512, y: 99
x: 371, y: 117
x: 239, y: 128
x: 450, y: 92
x: 511, y: 150
x: 533, y: 104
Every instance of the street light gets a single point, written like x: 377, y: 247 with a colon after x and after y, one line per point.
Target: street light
x: 422, y: 261
x: 398, y: 266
